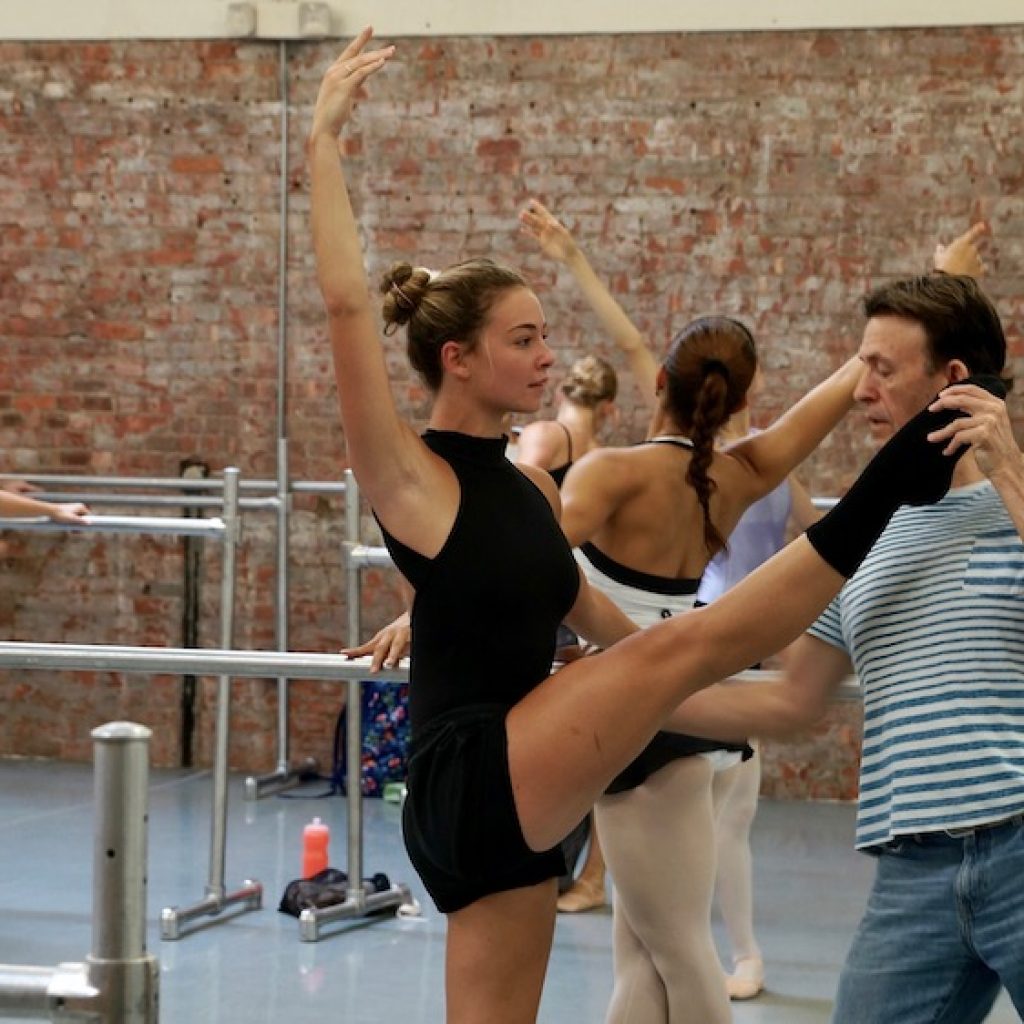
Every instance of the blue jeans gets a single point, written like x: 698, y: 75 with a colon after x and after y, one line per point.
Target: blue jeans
x: 943, y: 930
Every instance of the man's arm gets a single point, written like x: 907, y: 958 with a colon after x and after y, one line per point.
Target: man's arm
x: 811, y: 675
x: 803, y: 512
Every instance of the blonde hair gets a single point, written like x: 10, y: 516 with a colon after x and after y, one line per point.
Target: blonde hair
x: 590, y: 381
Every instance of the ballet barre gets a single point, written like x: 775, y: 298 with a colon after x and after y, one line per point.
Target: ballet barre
x: 190, y: 495
x: 119, y: 982
x: 165, y: 483
x: 227, y: 530
x: 150, y: 525
x: 202, y: 661
x: 96, y: 498
x: 229, y: 664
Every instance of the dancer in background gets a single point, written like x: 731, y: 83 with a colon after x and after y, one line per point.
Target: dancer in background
x: 586, y: 404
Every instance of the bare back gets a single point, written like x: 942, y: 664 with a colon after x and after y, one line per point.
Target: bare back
x: 644, y: 514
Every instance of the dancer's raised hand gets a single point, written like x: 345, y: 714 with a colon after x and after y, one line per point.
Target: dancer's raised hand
x: 963, y: 255
x: 343, y: 80
x: 551, y: 234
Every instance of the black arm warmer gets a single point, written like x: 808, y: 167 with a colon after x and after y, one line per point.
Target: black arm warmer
x: 908, y: 470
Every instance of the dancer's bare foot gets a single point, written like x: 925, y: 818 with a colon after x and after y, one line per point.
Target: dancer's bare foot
x: 746, y: 980
x: 584, y: 895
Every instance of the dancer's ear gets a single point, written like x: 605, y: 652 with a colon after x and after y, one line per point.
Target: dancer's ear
x: 453, y: 360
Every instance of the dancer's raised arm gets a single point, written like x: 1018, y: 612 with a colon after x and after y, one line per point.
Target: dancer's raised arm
x: 796, y: 434
x: 767, y: 458
x: 557, y: 242
x: 392, y: 465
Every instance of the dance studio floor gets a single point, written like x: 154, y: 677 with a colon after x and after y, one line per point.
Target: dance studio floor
x: 254, y: 968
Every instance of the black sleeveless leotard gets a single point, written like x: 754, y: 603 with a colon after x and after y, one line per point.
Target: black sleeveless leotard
x: 483, y: 630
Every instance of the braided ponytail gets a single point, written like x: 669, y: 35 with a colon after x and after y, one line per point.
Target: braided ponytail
x: 708, y: 416
x: 708, y: 370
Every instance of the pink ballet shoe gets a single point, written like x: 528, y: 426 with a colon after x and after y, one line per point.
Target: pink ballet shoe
x: 746, y: 980
x: 582, y: 896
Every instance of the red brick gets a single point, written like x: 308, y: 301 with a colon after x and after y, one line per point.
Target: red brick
x: 196, y: 164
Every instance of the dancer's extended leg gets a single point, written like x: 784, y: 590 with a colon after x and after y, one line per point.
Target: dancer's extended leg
x: 599, y: 712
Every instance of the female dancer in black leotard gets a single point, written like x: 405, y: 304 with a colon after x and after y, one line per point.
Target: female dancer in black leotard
x: 506, y: 758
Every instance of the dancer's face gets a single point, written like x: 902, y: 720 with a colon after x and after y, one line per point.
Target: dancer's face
x: 511, y: 361
x: 899, y: 379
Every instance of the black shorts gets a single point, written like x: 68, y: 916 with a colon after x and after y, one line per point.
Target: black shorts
x: 459, y: 821
x: 665, y: 748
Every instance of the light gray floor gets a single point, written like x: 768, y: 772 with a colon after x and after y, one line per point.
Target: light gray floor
x: 810, y: 888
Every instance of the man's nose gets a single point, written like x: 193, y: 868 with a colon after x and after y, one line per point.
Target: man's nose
x: 865, y: 391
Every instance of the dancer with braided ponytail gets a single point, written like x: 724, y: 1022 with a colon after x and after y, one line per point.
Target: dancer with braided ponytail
x: 496, y: 779
x: 647, y: 520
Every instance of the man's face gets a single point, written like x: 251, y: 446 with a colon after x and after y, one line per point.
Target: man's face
x: 898, y: 380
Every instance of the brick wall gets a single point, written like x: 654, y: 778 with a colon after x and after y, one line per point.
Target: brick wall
x: 774, y: 176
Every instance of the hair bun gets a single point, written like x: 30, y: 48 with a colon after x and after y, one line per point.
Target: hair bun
x: 715, y: 366
x: 403, y: 287
x: 590, y: 380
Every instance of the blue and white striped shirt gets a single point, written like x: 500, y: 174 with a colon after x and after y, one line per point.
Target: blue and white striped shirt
x: 934, y: 625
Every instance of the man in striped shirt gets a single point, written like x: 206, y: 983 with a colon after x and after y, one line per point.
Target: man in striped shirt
x: 933, y: 625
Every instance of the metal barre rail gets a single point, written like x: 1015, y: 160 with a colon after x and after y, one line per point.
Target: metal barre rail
x: 243, y: 664
x: 187, y: 495
x: 153, y: 500
x: 184, y: 660
x: 175, y: 483
x: 121, y: 524
x: 236, y: 663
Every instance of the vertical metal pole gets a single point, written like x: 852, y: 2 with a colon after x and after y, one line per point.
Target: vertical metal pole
x: 218, y: 835
x: 119, y: 850
x: 283, y: 510
x: 281, y: 604
x: 119, y: 982
x: 353, y: 700
x: 282, y: 242
x: 123, y: 976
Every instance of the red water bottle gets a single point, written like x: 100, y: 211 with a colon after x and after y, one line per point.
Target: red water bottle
x: 315, y: 837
